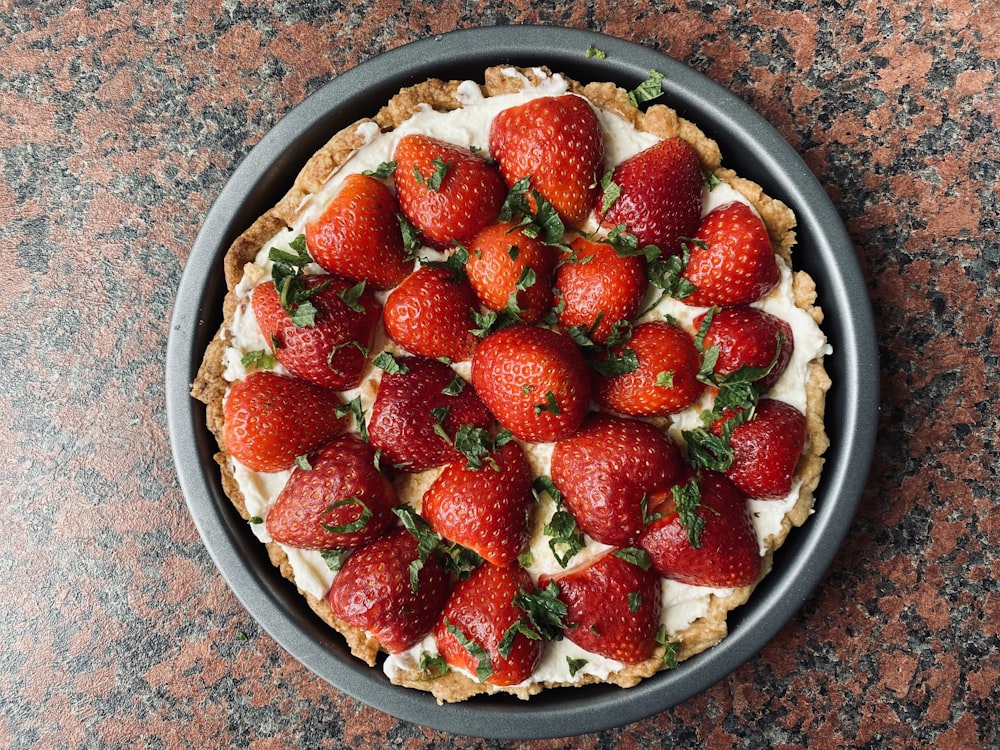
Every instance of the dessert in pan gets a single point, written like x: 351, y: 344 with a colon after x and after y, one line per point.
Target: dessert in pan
x: 519, y: 386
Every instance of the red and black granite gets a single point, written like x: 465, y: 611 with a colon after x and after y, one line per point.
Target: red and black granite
x: 119, y: 123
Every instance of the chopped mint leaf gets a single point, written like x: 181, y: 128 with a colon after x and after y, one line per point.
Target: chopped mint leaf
x: 664, y: 379
x: 259, y: 358
x: 352, y: 295
x: 382, y: 171
x: 255, y: 520
x: 687, y: 498
x: 593, y: 51
x: 670, y: 648
x: 634, y: 601
x: 434, y: 665
x: 485, y: 668
x: 575, y: 665
x: 354, y: 408
x: 635, y: 556
x: 648, y: 90
x: 335, y: 558
x: 565, y: 538
x: 387, y: 362
x: 611, y: 191
x: 455, y: 387
x: 550, y: 405
x: 545, y: 611
x: 357, y: 524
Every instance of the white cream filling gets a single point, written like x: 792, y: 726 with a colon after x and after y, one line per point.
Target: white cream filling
x: 682, y: 603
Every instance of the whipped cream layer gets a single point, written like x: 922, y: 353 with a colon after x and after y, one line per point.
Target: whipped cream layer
x: 469, y: 126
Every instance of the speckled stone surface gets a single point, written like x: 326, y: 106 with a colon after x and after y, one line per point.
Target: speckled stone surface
x: 119, y: 124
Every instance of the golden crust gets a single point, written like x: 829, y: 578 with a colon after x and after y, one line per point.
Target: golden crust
x: 660, y: 120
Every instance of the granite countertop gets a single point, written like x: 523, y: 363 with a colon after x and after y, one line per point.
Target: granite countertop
x: 122, y: 120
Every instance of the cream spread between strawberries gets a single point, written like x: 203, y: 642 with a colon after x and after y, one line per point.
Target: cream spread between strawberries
x: 469, y: 126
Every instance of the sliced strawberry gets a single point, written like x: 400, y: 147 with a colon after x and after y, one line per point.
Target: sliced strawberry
x: 534, y: 380
x: 715, y: 545
x: 420, y: 407
x: 766, y: 449
x: 484, y: 507
x: 558, y: 143
x: 611, y: 472
x: 511, y: 271
x: 613, y: 606
x: 732, y: 261
x: 270, y: 420
x: 374, y: 590
x: 447, y: 192
x: 598, y: 289
x: 358, y: 235
x: 431, y: 314
x: 479, y: 628
x: 666, y: 379
x: 331, y: 351
x: 341, y: 500
x: 748, y: 337
x: 656, y: 194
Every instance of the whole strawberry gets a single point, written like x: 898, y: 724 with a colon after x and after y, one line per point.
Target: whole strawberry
x: 332, y: 349
x: 598, y: 289
x: 704, y: 535
x: 557, y: 142
x: 484, y: 507
x: 748, y: 337
x: 666, y: 379
x: 478, y: 629
x: 613, y: 607
x: 270, y: 420
x: 431, y: 314
x: 447, y: 192
x: 374, y: 590
x: 766, y: 449
x: 732, y: 261
x: 420, y: 407
x: 358, y: 235
x: 656, y: 194
x: 534, y: 380
x: 341, y: 500
x: 611, y: 472
x: 511, y: 271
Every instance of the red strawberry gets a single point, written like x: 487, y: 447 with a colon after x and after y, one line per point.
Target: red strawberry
x: 333, y: 350
x: 766, y: 449
x: 416, y: 403
x: 598, y: 288
x: 431, y: 314
x: 271, y: 419
x: 726, y: 554
x: 558, y: 143
x: 666, y: 380
x: 341, y: 501
x: 446, y: 191
x: 373, y: 591
x: 613, y: 607
x: 358, y: 235
x: 486, y: 508
x: 511, y: 271
x: 660, y: 195
x: 748, y: 337
x: 732, y: 262
x: 476, y: 621
x: 611, y: 471
x: 534, y: 380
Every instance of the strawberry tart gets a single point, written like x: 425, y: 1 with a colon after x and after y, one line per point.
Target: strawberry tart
x: 518, y: 385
